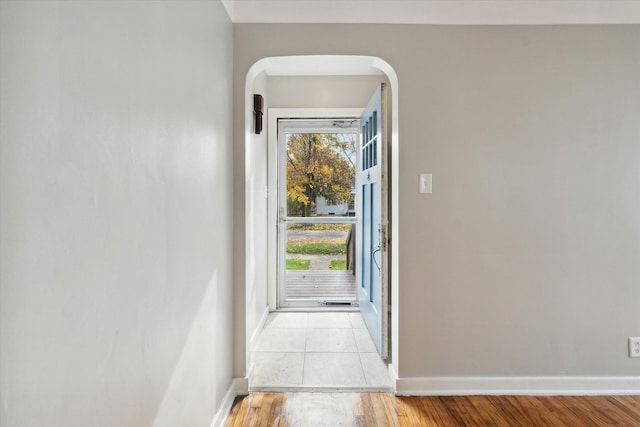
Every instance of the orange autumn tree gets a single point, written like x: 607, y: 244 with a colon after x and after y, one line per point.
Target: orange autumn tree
x: 318, y: 165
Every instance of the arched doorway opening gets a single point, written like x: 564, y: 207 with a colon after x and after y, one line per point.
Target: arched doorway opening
x: 261, y: 206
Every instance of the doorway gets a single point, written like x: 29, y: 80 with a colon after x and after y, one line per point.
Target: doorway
x: 317, y: 164
x: 300, y: 66
x: 329, y: 170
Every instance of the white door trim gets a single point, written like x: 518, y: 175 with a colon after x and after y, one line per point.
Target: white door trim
x: 273, y: 115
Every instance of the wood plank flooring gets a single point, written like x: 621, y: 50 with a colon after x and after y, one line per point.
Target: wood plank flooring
x: 385, y: 409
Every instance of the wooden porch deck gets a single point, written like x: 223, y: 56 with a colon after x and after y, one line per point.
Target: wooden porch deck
x: 321, y: 285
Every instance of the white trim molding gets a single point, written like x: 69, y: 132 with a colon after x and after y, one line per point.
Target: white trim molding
x: 537, y: 386
x: 259, y: 328
x: 238, y: 387
x: 252, y: 343
x: 241, y: 386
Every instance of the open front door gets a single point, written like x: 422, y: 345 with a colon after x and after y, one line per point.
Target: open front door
x: 373, y: 289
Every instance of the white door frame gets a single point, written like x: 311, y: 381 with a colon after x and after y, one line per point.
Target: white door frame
x: 273, y: 115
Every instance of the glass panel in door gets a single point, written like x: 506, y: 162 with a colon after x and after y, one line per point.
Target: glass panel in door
x: 317, y: 215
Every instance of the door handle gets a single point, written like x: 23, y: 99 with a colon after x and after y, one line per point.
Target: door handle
x: 376, y: 250
x: 373, y: 257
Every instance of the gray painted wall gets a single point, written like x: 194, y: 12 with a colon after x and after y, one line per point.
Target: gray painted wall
x: 526, y: 258
x: 116, y: 192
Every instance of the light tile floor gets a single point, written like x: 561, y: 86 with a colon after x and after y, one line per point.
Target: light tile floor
x: 317, y: 351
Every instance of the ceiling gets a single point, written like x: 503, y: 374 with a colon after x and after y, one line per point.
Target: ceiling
x: 444, y: 12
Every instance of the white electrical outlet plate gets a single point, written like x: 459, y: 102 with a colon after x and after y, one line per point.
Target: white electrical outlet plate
x: 426, y: 183
x: 634, y: 346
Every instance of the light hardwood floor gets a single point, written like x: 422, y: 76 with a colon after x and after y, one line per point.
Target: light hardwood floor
x: 384, y: 409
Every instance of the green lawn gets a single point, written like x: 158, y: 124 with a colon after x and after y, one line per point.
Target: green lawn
x: 298, y: 264
x: 321, y: 248
x: 338, y: 264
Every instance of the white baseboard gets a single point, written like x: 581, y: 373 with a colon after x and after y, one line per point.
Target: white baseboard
x: 252, y: 341
x: 259, y: 327
x: 220, y: 418
x: 241, y: 386
x: 539, y: 386
x: 393, y: 372
x: 238, y: 387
